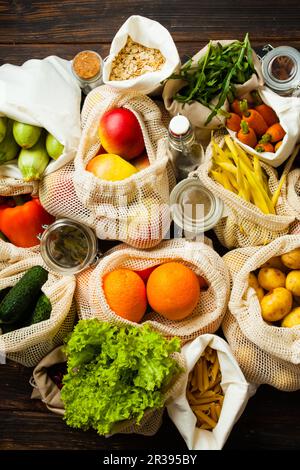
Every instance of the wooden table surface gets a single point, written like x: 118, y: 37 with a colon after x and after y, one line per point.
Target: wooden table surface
x: 36, y: 29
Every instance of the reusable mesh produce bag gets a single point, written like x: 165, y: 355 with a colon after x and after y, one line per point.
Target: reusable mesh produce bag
x: 242, y: 223
x: 134, y: 210
x: 267, y: 354
x: 46, y: 390
x: 293, y: 197
x: 202, y: 259
x: 196, y: 112
x: 29, y: 344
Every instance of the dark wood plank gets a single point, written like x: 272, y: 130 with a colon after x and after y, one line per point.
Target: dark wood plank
x: 74, y: 21
x: 18, y: 53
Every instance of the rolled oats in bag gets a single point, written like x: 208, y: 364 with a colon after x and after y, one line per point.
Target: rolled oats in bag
x: 42, y: 93
x: 134, y: 210
x: 234, y: 387
x: 202, y: 259
x: 242, y: 223
x: 267, y: 354
x: 28, y: 345
x: 196, y: 112
x: 142, y: 55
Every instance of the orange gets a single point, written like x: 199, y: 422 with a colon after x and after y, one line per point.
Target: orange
x: 173, y: 290
x: 125, y: 293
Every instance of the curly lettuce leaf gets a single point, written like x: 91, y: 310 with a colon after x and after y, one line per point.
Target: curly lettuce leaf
x: 115, y: 373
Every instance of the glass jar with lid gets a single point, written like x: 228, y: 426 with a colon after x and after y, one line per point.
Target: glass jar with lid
x: 69, y: 247
x: 281, y: 69
x: 194, y: 208
x: 87, y: 67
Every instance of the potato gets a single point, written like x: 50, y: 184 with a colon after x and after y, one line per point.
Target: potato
x: 292, y: 319
x: 271, y: 278
x: 292, y: 259
x: 253, y: 282
x: 275, y: 262
x: 292, y: 282
x: 276, y: 304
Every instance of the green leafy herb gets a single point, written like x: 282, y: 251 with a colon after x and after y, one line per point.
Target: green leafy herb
x: 115, y: 373
x: 216, y: 74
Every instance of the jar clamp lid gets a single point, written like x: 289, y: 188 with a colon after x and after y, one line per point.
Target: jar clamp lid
x: 281, y: 69
x: 194, y: 208
x: 68, y: 247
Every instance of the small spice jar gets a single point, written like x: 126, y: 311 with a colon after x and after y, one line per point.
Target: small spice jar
x: 69, y: 247
x: 281, y: 70
x: 87, y: 67
x: 194, y: 208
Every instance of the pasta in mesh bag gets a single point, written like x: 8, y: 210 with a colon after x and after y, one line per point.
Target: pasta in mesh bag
x: 267, y: 354
x: 28, y: 345
x: 134, y: 210
x: 243, y: 224
x: 202, y: 259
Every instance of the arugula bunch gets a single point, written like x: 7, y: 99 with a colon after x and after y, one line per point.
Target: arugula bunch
x: 115, y: 373
x: 215, y: 74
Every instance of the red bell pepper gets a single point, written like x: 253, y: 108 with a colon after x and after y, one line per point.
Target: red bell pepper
x: 23, y: 223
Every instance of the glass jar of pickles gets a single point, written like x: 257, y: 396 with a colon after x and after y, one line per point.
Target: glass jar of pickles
x: 69, y: 247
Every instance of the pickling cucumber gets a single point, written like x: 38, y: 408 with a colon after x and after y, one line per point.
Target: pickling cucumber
x: 42, y: 310
x: 16, y: 304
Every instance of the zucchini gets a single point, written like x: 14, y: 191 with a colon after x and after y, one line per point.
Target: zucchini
x: 42, y: 310
x: 16, y: 304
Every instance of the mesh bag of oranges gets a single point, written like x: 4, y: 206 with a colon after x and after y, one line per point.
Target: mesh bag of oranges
x: 181, y: 288
x: 119, y: 184
x: 262, y: 326
x: 239, y: 180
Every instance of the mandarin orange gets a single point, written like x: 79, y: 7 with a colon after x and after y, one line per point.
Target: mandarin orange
x: 125, y: 293
x: 173, y: 290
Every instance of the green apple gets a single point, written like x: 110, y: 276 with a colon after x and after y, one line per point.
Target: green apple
x: 26, y: 135
x: 54, y: 147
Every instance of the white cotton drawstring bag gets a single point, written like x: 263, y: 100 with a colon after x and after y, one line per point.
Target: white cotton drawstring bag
x: 42, y: 93
x: 288, y: 112
x: 236, y: 394
x: 148, y: 33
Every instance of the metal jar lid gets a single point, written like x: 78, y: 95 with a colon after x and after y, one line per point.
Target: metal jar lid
x: 194, y: 208
x: 68, y: 247
x: 281, y: 70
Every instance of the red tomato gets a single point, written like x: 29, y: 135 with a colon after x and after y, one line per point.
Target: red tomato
x: 145, y: 273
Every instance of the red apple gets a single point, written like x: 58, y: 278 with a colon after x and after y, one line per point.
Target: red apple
x: 145, y: 273
x: 121, y: 134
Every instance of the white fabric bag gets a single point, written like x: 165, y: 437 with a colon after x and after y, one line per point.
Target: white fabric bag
x: 288, y: 112
x: 149, y: 33
x: 236, y: 389
x: 42, y: 93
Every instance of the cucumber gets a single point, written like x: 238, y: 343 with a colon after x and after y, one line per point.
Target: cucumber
x: 3, y: 292
x: 16, y: 304
x: 42, y: 310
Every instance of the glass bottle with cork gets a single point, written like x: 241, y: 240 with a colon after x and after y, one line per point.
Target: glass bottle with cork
x: 186, y: 152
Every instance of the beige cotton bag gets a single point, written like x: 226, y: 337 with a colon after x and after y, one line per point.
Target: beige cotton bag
x: 135, y: 210
x: 196, y: 112
x: 45, y: 389
x: 236, y: 394
x: 242, y: 223
x: 202, y: 259
x: 30, y: 344
x: 267, y: 354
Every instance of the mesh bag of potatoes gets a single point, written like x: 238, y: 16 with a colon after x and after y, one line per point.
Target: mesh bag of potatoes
x: 129, y: 203
x: 29, y: 344
x: 48, y: 386
x: 262, y: 324
x: 187, y: 291
x: 245, y: 223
